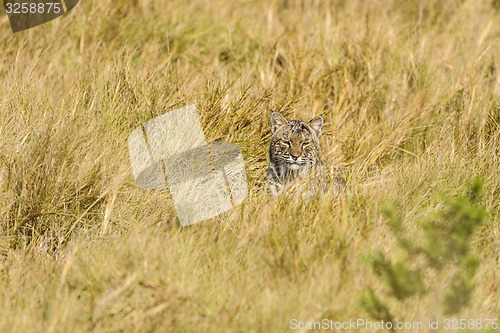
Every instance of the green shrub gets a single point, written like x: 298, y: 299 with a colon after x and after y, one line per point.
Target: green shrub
x: 445, y: 245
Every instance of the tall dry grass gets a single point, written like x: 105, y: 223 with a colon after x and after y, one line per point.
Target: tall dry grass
x: 410, y: 91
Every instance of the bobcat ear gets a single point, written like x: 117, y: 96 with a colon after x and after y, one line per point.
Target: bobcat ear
x: 317, y: 124
x: 277, y: 120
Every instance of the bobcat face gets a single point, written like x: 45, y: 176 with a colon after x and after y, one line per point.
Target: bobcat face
x: 294, y: 149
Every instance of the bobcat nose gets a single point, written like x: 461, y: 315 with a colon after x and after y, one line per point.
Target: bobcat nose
x: 295, y: 156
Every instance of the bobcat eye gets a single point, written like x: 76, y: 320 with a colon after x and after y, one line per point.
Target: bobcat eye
x: 305, y: 144
x: 287, y: 143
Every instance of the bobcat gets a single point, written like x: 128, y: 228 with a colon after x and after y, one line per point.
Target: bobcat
x: 294, y: 151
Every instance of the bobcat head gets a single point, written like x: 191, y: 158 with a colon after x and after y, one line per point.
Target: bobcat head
x: 294, y: 149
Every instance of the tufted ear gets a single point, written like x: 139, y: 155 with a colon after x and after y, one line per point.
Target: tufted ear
x: 317, y: 125
x: 277, y: 120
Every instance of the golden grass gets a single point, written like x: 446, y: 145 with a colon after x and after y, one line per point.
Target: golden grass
x: 410, y: 94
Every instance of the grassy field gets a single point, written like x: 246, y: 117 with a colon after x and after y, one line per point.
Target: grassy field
x: 410, y: 94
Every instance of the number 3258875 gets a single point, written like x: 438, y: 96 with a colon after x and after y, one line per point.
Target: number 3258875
x: 472, y: 324
x: 33, y: 8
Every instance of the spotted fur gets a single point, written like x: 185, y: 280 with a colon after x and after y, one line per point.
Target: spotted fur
x: 294, y: 150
